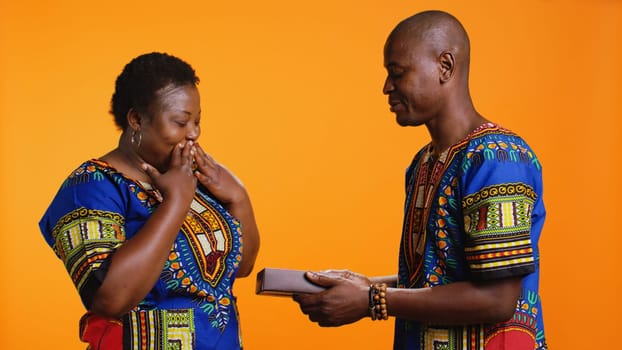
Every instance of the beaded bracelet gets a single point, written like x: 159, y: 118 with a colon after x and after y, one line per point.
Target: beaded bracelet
x: 378, y: 301
x: 372, y: 307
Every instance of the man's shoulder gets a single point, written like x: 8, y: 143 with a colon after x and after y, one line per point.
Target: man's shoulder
x: 492, y: 137
x: 497, y: 145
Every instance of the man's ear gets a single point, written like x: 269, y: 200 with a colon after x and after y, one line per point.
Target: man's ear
x: 447, y: 66
x: 133, y: 119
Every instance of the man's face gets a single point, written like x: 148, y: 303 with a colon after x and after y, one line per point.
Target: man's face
x: 412, y: 83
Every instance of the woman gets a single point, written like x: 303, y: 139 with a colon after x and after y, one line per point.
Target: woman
x: 152, y: 232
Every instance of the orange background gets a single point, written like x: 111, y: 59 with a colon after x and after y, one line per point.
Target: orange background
x: 292, y: 102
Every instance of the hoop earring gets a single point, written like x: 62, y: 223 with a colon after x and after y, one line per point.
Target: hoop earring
x: 133, y: 138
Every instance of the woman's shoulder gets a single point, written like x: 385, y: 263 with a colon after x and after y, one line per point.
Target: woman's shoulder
x: 92, y: 169
x: 91, y: 184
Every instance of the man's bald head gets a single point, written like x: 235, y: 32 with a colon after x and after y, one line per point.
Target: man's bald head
x: 427, y: 62
x: 437, y: 31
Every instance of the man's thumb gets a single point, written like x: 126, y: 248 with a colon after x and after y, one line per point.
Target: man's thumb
x: 321, y: 279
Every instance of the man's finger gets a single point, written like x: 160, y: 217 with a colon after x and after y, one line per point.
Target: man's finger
x: 322, y: 279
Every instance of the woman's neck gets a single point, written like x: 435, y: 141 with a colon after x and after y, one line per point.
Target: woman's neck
x: 127, y: 161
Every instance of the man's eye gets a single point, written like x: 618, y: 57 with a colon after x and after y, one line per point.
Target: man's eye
x: 182, y: 124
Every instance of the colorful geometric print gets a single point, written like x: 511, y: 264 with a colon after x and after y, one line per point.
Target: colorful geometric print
x: 215, y: 302
x: 87, y: 172
x: 208, y: 238
x: 98, y: 208
x: 521, y: 331
x: 473, y: 213
x: 159, y: 330
x: 97, y: 170
x: 498, y: 147
x: 147, y: 196
x: 421, y: 185
x: 449, y: 338
x: 84, y: 238
x: 498, y: 221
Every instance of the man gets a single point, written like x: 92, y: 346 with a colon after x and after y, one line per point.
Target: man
x: 469, y: 262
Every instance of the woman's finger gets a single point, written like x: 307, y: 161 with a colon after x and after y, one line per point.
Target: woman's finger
x: 207, y: 159
x: 151, y: 171
x: 187, y: 153
x: 176, y: 155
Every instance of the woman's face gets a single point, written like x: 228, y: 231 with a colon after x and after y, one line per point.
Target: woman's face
x: 175, y: 118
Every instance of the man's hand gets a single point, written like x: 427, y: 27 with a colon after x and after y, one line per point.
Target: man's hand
x: 346, y: 299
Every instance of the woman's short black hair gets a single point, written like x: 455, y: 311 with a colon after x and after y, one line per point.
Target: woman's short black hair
x: 137, y: 85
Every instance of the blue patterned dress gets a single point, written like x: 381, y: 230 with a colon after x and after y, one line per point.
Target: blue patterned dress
x: 474, y: 213
x: 192, y: 305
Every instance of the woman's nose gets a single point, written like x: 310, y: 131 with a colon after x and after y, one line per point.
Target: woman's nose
x: 194, y: 132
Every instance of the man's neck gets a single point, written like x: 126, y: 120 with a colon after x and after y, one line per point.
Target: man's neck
x: 453, y: 127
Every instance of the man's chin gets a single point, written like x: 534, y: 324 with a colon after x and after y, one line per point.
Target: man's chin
x: 404, y: 120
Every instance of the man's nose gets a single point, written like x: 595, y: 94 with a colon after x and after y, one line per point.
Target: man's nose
x: 388, y: 86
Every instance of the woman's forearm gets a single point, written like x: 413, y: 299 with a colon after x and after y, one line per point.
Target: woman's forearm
x: 137, y: 264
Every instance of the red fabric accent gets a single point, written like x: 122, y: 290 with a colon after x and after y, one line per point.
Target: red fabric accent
x: 515, y: 338
x: 101, y: 333
x: 483, y: 216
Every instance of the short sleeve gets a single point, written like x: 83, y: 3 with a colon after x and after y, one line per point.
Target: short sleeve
x: 84, y: 225
x: 501, y: 185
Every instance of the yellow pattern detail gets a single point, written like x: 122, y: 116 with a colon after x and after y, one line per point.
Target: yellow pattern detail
x: 507, y: 210
x: 501, y: 263
x: 498, y: 245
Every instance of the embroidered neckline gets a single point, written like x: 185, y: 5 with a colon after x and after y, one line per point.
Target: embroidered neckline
x: 145, y: 186
x: 430, y: 154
